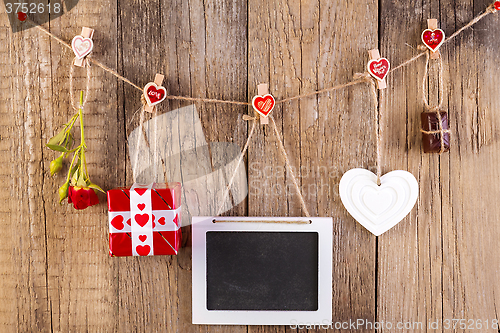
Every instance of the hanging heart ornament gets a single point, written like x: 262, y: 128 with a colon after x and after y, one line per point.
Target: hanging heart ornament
x: 433, y: 39
x: 378, y: 68
x: 81, y: 46
x: 154, y: 94
x: 263, y: 104
x: 378, y: 208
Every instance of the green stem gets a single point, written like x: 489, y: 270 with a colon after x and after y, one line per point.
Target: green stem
x: 71, y: 166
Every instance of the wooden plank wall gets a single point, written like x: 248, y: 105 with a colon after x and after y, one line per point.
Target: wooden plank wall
x: 440, y: 263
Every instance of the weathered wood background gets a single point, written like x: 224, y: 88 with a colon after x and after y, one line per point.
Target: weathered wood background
x: 441, y: 262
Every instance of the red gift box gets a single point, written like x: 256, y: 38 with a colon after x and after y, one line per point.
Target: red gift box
x: 144, y: 220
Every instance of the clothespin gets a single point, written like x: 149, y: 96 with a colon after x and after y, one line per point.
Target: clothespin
x: 82, y: 45
x: 378, y: 68
x: 433, y: 38
x: 263, y: 103
x: 154, y: 93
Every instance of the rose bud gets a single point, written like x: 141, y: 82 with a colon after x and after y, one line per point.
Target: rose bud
x: 63, y: 192
x: 56, y: 165
x: 82, y: 197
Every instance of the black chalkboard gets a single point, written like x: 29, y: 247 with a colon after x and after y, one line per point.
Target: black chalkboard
x: 262, y: 271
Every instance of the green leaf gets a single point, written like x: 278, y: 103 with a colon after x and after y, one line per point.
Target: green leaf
x: 58, y: 138
x: 96, y: 187
x: 57, y: 148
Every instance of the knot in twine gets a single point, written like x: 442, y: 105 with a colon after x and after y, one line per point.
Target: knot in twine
x: 422, y: 47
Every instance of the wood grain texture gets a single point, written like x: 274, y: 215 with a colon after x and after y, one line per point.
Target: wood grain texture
x: 439, y: 263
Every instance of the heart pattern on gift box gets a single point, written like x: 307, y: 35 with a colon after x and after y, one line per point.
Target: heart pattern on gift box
x: 433, y: 38
x: 141, y: 219
x: 117, y: 222
x: 81, y: 46
x: 378, y: 208
x: 141, y: 191
x: 378, y: 68
x: 143, y: 238
x: 263, y: 104
x: 161, y: 220
x: 154, y: 94
x: 143, y: 250
x: 141, y: 206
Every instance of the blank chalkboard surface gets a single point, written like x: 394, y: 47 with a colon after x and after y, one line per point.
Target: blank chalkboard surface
x: 262, y: 271
x: 251, y: 270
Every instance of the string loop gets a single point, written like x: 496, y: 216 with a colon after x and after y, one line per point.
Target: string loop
x: 438, y: 108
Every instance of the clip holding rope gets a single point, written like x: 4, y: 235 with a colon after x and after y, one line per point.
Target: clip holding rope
x: 263, y: 103
x: 82, y: 45
x: 154, y: 93
x: 378, y: 67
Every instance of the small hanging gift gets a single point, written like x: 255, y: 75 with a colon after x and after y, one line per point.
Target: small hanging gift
x: 144, y: 220
x: 434, y: 120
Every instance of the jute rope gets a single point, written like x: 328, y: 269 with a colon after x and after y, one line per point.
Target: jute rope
x: 240, y: 159
x: 489, y: 10
x: 438, y: 108
x: 289, y: 167
x: 87, y: 88
x: 366, y: 77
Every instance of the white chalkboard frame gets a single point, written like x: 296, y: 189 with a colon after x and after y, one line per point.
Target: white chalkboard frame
x: 322, y: 316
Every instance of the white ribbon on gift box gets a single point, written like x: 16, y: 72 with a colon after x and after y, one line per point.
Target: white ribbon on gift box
x: 138, y: 232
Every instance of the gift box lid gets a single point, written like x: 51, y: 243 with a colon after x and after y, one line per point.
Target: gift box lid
x: 164, y: 196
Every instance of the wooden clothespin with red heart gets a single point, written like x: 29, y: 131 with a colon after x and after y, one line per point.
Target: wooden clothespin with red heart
x: 82, y: 45
x: 154, y: 93
x: 263, y: 103
x: 433, y: 38
x: 378, y: 68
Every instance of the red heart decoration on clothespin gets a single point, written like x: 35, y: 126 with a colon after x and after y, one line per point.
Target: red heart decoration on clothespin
x: 497, y: 5
x: 379, y: 68
x: 143, y: 238
x: 81, y: 46
x: 433, y: 38
x: 154, y: 94
x: 117, y: 222
x: 143, y: 250
x: 142, y: 219
x: 263, y: 104
x: 141, y: 206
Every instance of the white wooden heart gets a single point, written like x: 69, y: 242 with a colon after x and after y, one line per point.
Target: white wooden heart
x: 378, y: 208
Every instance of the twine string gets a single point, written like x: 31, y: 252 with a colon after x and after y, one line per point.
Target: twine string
x: 263, y: 221
x: 289, y: 167
x: 87, y: 88
x: 438, y: 108
x: 378, y: 128
x: 489, y: 10
x: 240, y: 159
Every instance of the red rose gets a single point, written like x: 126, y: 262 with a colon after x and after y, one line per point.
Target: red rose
x: 82, y: 197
